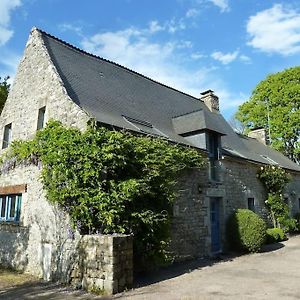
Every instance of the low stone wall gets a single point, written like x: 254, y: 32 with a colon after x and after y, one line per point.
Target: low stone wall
x: 103, y: 262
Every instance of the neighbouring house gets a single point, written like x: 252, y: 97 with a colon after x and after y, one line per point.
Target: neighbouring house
x: 56, y: 80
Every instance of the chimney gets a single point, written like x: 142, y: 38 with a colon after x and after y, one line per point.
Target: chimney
x: 259, y: 134
x: 210, y: 100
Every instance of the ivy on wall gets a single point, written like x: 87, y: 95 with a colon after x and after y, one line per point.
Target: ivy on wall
x: 111, y: 181
x: 275, y: 179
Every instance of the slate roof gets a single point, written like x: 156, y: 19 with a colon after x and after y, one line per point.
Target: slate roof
x: 118, y: 96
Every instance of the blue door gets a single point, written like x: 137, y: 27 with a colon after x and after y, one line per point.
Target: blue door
x: 215, y: 225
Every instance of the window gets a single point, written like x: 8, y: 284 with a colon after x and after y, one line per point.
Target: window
x: 213, y: 154
x: 6, y: 136
x: 270, y: 160
x: 41, y: 118
x: 299, y: 203
x: 251, y: 204
x: 286, y: 200
x: 10, y: 208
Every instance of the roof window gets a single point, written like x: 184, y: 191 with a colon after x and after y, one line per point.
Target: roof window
x: 269, y: 160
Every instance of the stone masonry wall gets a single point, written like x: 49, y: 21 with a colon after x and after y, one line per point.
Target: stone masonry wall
x: 36, y: 85
x: 191, y: 227
x: 190, y: 224
x: 43, y: 243
x: 239, y: 178
x: 103, y: 263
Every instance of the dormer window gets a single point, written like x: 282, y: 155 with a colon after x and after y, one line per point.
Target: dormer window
x: 213, y: 146
x: 41, y: 118
x: 7, y: 135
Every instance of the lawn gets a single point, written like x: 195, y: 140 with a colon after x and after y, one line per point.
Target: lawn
x: 10, y: 278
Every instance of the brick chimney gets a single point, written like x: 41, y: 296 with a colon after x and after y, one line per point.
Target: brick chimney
x: 259, y: 134
x: 210, y: 100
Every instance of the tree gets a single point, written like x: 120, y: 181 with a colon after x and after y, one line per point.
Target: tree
x: 4, y: 89
x: 236, y: 125
x: 274, y: 105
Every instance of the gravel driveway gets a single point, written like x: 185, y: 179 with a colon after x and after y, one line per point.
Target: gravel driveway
x: 273, y: 274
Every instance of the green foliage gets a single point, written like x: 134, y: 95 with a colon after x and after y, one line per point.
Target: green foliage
x: 245, y: 231
x: 275, y: 235
x: 279, y: 94
x: 275, y: 179
x: 111, y: 181
x: 297, y: 218
x: 4, y: 89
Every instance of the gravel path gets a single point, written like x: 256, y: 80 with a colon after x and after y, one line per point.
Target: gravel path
x: 270, y: 275
x: 273, y: 274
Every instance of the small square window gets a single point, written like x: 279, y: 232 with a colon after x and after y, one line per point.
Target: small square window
x: 7, y: 135
x: 251, y: 204
x: 41, y: 118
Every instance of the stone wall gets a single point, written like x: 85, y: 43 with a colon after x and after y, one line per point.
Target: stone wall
x: 239, y: 178
x: 191, y: 226
x: 103, y: 263
x: 190, y: 223
x: 36, y: 85
x: 43, y: 243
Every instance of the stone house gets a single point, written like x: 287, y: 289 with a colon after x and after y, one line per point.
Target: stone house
x: 56, y: 80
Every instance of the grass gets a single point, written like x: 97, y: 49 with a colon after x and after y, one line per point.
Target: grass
x: 9, y: 278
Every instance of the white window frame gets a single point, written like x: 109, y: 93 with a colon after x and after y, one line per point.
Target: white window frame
x: 7, y: 217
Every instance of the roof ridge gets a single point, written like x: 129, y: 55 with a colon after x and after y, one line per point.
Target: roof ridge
x: 111, y: 62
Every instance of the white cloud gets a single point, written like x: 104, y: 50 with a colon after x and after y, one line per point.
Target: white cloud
x: 192, y: 13
x: 154, y: 27
x: 197, y: 55
x: 6, y: 7
x: 162, y: 62
x: 225, y: 58
x: 275, y: 30
x: 222, y: 4
x: 246, y: 59
x: 70, y: 27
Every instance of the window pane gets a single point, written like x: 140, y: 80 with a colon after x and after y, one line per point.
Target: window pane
x: 19, y: 200
x: 7, y: 136
x: 12, y: 207
x: 41, y: 118
x: 251, y: 204
x: 3, y: 206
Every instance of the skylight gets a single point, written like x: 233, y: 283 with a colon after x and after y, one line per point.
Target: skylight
x: 270, y: 160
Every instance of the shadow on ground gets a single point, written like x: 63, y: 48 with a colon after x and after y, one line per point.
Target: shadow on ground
x: 272, y: 247
x: 45, y: 291
x: 177, y: 269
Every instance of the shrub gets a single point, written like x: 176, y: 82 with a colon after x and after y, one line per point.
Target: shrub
x: 275, y: 235
x: 297, y: 218
x: 245, y: 231
x: 288, y: 224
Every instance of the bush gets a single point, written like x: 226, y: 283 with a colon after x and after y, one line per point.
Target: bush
x: 275, y: 235
x: 289, y: 225
x: 297, y: 218
x: 245, y: 231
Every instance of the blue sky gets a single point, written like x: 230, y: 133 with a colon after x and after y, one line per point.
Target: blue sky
x: 191, y: 45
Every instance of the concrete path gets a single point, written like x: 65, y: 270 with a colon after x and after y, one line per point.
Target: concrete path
x: 274, y: 274
x: 270, y: 275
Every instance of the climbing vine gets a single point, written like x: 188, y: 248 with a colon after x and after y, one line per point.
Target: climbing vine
x: 275, y: 179
x: 110, y: 181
